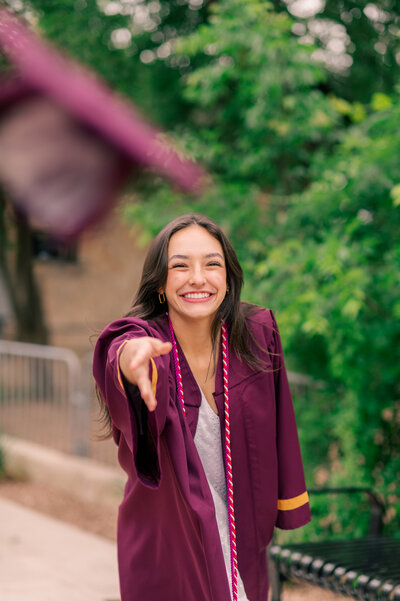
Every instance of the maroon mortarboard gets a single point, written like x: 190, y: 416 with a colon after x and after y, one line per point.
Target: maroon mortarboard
x: 67, y: 143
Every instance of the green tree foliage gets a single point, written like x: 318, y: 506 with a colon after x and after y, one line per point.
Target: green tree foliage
x: 260, y: 113
x: 359, y: 41
x: 373, y: 44
x: 258, y: 117
x: 334, y: 265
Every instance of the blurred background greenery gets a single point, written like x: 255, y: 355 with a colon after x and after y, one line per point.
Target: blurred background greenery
x: 293, y: 107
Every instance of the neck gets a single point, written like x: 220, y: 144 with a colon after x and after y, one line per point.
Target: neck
x: 194, y: 336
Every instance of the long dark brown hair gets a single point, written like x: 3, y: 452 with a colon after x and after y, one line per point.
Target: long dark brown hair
x: 232, y: 311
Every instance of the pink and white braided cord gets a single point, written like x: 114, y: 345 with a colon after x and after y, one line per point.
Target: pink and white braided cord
x: 228, y: 457
x: 228, y: 464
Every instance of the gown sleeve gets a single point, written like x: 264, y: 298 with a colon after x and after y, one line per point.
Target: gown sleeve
x: 293, y: 503
x: 130, y: 418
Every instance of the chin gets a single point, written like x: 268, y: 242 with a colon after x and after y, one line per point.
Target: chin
x: 199, y: 314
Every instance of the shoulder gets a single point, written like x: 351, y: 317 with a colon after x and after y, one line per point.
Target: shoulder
x: 261, y: 321
x: 132, y: 327
x: 257, y: 316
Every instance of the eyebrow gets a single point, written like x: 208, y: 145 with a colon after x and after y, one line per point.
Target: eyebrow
x: 207, y: 256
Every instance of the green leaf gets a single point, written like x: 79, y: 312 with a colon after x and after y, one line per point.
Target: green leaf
x: 395, y: 195
x: 380, y: 102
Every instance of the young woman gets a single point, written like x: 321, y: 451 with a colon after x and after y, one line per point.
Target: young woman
x: 196, y: 389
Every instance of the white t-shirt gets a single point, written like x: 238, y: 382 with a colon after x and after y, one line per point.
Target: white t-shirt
x: 209, y: 446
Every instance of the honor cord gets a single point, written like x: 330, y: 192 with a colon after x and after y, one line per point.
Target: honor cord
x: 228, y: 457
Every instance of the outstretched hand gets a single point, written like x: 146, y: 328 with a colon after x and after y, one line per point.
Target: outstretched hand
x: 134, y: 364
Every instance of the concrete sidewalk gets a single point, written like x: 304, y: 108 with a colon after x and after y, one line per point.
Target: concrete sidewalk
x: 43, y: 559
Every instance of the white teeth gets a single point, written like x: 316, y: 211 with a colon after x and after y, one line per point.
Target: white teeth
x: 195, y: 295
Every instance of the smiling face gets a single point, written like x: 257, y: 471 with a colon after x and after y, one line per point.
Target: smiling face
x: 196, y: 281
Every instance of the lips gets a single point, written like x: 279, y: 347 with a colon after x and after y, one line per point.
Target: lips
x: 197, y: 295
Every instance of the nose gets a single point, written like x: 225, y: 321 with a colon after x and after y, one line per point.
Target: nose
x: 197, y: 277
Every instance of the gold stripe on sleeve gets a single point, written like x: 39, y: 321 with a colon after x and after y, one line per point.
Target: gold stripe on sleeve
x: 118, y: 367
x: 293, y: 503
x: 154, y: 376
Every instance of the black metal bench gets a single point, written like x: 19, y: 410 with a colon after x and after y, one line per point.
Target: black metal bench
x: 365, y: 568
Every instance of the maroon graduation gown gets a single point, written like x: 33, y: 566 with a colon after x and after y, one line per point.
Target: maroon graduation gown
x: 168, y: 541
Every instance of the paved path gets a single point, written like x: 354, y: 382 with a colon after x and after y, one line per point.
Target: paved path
x: 43, y: 559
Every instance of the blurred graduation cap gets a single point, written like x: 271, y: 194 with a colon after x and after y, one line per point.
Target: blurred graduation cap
x: 67, y: 143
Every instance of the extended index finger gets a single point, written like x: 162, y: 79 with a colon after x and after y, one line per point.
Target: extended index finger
x: 160, y: 348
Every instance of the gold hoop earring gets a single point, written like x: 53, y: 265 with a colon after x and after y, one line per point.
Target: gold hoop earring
x: 161, y: 298
x: 227, y: 289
